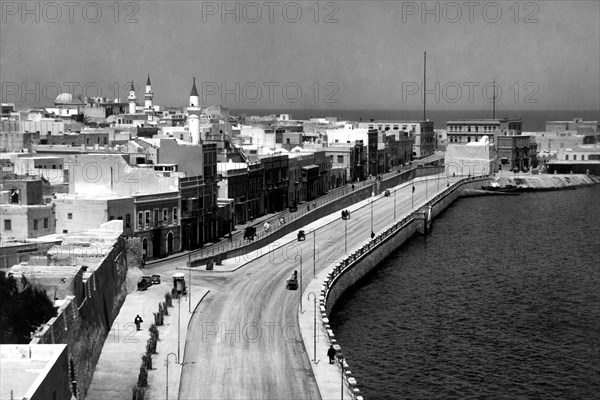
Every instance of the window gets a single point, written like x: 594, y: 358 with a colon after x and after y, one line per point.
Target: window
x: 140, y: 219
x: 45, y: 223
x: 35, y: 224
x: 127, y: 220
x: 156, y: 220
x: 65, y: 231
x: 70, y: 216
x: 340, y: 159
x: 574, y: 156
x: 175, y: 216
x: 165, y: 215
x: 147, y: 218
x: 7, y: 225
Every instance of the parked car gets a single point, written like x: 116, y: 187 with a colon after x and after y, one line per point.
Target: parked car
x: 155, y: 279
x: 144, y: 283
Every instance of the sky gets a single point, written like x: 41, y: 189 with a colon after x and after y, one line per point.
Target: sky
x: 306, y: 54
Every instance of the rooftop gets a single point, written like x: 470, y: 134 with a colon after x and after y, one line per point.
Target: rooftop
x: 25, y: 366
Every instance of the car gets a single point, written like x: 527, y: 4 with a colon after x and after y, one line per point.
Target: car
x: 155, y: 279
x: 144, y: 283
x: 293, y: 207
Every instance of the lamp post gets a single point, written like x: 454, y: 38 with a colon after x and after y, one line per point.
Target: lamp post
x: 300, y: 280
x: 314, y: 325
x: 342, y: 369
x: 167, y: 382
x: 346, y: 235
x: 395, y: 190
x: 314, y: 231
x: 189, y: 269
x: 372, y: 214
x: 178, y: 323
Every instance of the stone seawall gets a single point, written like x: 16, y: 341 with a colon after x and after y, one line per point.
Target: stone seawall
x: 364, y: 262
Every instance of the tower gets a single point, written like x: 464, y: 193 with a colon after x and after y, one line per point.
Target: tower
x: 194, y: 99
x: 148, y: 95
x: 132, y: 99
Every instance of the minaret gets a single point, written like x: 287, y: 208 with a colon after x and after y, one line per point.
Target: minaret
x: 148, y: 95
x: 194, y: 99
x: 132, y: 99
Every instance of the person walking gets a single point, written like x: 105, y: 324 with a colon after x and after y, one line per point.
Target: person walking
x: 331, y: 354
x: 138, y: 321
x: 230, y: 237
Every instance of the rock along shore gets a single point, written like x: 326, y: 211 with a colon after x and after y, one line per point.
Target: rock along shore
x: 541, y: 182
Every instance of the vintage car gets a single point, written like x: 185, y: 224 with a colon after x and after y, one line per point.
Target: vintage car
x: 144, y: 283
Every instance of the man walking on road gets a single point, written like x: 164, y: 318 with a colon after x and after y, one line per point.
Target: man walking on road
x: 138, y: 321
x: 331, y: 354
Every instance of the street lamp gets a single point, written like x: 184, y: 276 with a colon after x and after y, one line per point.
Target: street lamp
x: 300, y: 279
x: 314, y: 231
x: 395, y: 190
x: 372, y: 214
x: 342, y: 369
x: 314, y: 325
x: 178, y: 323
x: 167, y: 365
x: 190, y: 269
x: 346, y: 235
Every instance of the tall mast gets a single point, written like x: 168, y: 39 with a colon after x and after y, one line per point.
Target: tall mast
x: 424, y: 84
x: 494, y: 101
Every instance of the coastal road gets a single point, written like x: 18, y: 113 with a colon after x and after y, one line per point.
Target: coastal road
x: 244, y: 341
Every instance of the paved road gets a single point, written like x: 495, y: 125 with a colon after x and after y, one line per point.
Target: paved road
x: 244, y: 341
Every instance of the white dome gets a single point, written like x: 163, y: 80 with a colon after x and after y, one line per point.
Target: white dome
x: 64, y: 98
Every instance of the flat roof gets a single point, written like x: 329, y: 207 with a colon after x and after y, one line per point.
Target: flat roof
x: 25, y: 365
x: 475, y: 121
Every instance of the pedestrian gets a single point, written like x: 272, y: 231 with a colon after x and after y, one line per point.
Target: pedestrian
x: 266, y: 226
x: 230, y: 237
x: 331, y: 354
x: 138, y: 321
x: 353, y: 187
x: 372, y: 234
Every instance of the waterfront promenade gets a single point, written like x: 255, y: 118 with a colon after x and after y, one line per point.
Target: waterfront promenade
x: 244, y: 338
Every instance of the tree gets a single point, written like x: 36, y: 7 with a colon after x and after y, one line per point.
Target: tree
x: 21, y: 312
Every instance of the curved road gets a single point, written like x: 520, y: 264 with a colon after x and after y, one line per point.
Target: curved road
x: 244, y: 341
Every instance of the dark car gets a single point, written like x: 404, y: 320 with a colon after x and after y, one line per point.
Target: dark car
x: 155, y: 279
x: 144, y: 283
x: 293, y: 207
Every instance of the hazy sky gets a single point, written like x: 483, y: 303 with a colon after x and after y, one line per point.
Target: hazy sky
x: 285, y: 54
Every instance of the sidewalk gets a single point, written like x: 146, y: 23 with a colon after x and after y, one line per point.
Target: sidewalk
x: 119, y: 364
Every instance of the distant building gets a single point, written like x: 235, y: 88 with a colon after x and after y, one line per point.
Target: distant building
x: 577, y: 125
x: 24, y: 214
x: 467, y: 131
x: 514, y: 152
x: 421, y: 131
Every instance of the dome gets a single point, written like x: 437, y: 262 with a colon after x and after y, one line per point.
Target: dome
x: 64, y: 98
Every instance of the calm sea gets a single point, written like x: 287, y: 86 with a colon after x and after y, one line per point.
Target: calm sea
x: 501, y: 300
x: 533, y: 120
